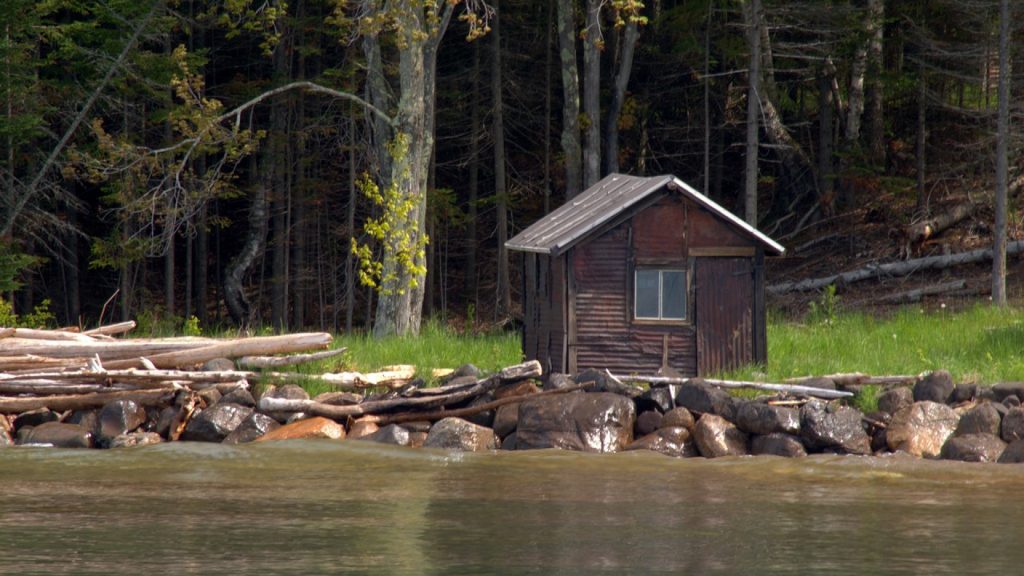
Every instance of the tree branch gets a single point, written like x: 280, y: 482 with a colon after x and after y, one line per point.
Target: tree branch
x: 21, y: 202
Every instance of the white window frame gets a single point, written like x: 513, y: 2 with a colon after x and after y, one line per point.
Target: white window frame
x: 661, y: 290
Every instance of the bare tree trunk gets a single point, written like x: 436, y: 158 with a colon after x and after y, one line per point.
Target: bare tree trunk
x: 202, y: 262
x: 751, y: 10
x: 621, y: 82
x: 571, y: 146
x: 825, y: 135
x: 921, y: 145
x: 474, y: 181
x: 549, y: 42
x: 504, y: 304
x: 234, y: 289
x: 592, y: 95
x: 1002, y: 157
x: 874, y: 92
x: 350, y: 221
x: 169, y: 267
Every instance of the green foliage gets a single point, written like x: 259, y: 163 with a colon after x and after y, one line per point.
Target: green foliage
x: 396, y: 230
x: 825, y: 309
x: 982, y: 344
x: 866, y: 399
x: 39, y: 317
x: 190, y: 327
x: 12, y: 264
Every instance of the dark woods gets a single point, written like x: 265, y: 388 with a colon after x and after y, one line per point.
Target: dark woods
x: 165, y: 160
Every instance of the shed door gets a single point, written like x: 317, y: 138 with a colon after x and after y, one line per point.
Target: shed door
x: 724, y: 299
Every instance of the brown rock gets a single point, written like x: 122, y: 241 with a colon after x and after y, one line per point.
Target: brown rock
x: 921, y: 429
x: 461, y: 435
x: 316, y: 427
x: 678, y: 416
x: 717, y: 437
x: 674, y: 441
x: 362, y: 428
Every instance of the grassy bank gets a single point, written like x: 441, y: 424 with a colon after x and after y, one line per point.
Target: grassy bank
x: 436, y: 347
x: 982, y: 345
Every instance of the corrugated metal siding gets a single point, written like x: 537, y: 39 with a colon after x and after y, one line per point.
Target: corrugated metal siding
x: 606, y: 336
x: 724, y: 292
x: 660, y: 230
x: 706, y: 230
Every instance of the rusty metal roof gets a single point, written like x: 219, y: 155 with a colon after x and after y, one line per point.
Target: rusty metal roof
x: 602, y: 202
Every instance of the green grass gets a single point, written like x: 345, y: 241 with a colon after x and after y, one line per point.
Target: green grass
x: 436, y: 347
x: 981, y: 345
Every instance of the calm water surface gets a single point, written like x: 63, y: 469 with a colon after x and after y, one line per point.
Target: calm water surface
x: 355, y: 508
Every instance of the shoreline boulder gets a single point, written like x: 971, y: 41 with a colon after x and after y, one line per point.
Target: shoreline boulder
x: 922, y: 429
x: 828, y: 425
x: 588, y: 422
x: 462, y: 435
x: 717, y: 437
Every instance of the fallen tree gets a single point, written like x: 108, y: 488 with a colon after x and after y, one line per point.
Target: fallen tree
x: 892, y: 269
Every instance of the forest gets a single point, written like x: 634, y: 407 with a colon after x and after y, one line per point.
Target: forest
x: 354, y: 165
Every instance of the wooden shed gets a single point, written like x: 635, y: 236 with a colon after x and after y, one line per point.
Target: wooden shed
x: 636, y: 274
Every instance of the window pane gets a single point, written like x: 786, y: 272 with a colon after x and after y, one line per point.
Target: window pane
x: 673, y: 294
x: 647, y: 293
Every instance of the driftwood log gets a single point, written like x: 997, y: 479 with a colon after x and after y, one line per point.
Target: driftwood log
x: 531, y: 369
x: 233, y: 348
x: 787, y: 388
x: 85, y: 401
x: 290, y: 360
x: 915, y: 295
x: 902, y: 268
x: 385, y: 419
x: 925, y: 229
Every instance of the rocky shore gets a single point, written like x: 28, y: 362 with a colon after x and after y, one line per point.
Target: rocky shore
x: 587, y: 412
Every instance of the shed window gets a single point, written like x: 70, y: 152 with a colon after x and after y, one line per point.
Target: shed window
x: 660, y: 294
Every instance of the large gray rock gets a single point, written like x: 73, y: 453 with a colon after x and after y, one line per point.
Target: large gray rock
x: 461, y: 435
x: 702, y: 398
x: 974, y: 448
x: 717, y: 437
x: 891, y: 401
x: 215, y: 423
x: 674, y: 441
x: 598, y: 422
x: 558, y: 381
x: 936, y: 386
x: 1014, y: 453
x: 602, y: 383
x: 239, y: 395
x: 982, y: 419
x: 58, y: 435
x: 831, y: 426
x: 756, y: 417
x: 921, y: 429
x: 777, y: 444
x: 117, y: 418
x: 1012, y: 427
x: 390, y: 434
x: 254, y: 426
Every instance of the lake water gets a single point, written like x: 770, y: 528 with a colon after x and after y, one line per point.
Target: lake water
x: 358, y: 508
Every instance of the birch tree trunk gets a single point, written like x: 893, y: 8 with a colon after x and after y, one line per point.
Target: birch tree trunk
x: 504, y: 304
x: 621, y: 82
x: 874, y: 92
x: 592, y: 94
x: 571, y: 147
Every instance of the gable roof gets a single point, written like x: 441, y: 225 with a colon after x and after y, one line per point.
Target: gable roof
x: 602, y: 202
